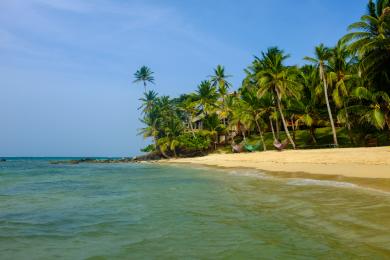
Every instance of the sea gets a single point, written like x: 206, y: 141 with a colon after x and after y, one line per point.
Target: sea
x: 153, y: 211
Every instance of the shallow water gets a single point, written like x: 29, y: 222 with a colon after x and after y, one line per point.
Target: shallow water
x: 123, y: 211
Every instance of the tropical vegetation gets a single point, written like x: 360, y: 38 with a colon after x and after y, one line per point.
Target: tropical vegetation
x: 340, y: 97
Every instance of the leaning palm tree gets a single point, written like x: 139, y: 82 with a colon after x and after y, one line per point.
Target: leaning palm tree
x: 144, y: 75
x: 322, y: 54
x: 279, y: 80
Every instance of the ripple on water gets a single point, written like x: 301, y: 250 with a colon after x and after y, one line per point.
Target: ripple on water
x: 151, y: 212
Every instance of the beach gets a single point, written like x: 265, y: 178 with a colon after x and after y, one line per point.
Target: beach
x: 366, y: 166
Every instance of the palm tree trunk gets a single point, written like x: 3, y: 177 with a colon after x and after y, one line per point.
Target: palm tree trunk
x: 348, y: 125
x: 231, y: 134
x: 191, y: 126
x: 283, y: 120
x: 312, y: 131
x: 164, y: 154
x: 155, y: 140
x: 293, y: 127
x: 158, y: 148
x: 277, y: 128
x: 328, y: 105
x: 272, y: 127
x: 243, y: 134
x: 145, y: 86
x: 261, y: 135
x: 223, y: 109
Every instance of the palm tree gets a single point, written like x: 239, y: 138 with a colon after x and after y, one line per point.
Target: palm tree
x: 188, y: 106
x: 151, y: 129
x: 148, y: 101
x: 144, y: 75
x: 251, y: 110
x: 213, y: 125
x: 374, y: 109
x: 219, y: 79
x: 307, y: 109
x: 341, y: 73
x: 172, y: 128
x: 230, y: 106
x: 279, y: 80
x: 206, y: 97
x: 322, y: 54
x: 370, y: 38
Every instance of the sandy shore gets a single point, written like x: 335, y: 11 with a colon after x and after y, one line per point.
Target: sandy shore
x: 367, y: 164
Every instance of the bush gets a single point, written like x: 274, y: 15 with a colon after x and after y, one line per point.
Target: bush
x: 200, y: 142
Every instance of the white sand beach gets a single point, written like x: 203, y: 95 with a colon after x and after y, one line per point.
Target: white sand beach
x: 347, y: 162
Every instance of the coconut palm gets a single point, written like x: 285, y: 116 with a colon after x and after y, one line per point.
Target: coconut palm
x: 374, y: 109
x: 370, y: 38
x: 279, y: 80
x: 207, y: 97
x: 251, y: 110
x: 172, y: 128
x: 144, y: 75
x: 219, y: 79
x: 189, y: 107
x: 342, y: 74
x: 213, y: 125
x: 322, y: 54
x: 151, y: 121
x: 148, y: 101
x: 308, y: 110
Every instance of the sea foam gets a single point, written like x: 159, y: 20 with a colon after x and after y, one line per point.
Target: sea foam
x: 303, y: 182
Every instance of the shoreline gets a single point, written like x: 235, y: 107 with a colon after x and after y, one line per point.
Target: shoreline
x: 367, y: 167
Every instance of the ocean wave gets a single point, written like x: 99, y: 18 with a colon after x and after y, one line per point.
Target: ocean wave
x: 256, y: 174
x: 304, y: 182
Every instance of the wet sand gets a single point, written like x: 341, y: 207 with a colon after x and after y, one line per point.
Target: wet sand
x: 364, y: 166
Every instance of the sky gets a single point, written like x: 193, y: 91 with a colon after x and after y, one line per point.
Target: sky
x: 66, y: 66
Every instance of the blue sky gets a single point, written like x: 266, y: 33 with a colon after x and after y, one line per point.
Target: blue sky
x: 66, y: 65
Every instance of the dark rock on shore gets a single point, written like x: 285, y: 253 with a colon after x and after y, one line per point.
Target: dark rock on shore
x: 146, y: 157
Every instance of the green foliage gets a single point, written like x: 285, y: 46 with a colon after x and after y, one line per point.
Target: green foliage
x: 148, y: 149
x: 346, y: 87
x: 200, y: 142
x: 144, y: 75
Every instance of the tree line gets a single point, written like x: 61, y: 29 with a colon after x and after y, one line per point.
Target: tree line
x: 346, y: 86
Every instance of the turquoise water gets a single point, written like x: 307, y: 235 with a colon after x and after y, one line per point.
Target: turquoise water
x: 142, y: 211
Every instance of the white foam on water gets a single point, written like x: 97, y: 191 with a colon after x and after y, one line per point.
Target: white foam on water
x: 248, y: 173
x: 303, y: 182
